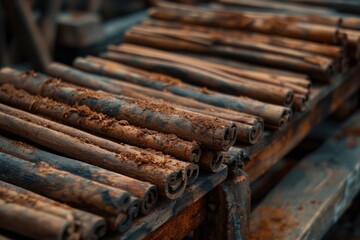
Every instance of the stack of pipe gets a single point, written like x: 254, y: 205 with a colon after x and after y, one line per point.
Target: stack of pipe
x: 214, y: 30
x: 49, y: 219
x: 315, y: 26
x: 249, y: 88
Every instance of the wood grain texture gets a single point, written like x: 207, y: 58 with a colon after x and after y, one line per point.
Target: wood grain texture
x: 166, y: 209
x: 179, y: 226
x: 216, y: 134
x: 313, y: 195
x: 228, y: 210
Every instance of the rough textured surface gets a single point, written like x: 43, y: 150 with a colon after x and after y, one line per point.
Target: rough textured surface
x: 315, y: 193
x: 323, y: 101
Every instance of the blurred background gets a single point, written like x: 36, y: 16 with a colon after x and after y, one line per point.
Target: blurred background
x: 38, y: 31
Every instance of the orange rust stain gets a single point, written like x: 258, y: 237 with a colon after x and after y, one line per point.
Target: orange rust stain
x: 271, y: 223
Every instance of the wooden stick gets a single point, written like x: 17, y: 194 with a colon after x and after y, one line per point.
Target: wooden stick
x: 133, y: 210
x: 342, y: 6
x: 10, y: 196
x: 280, y: 75
x: 201, y: 16
x: 193, y: 105
x: 250, y: 75
x: 217, y: 134
x: 146, y: 192
x: 120, y: 223
x: 14, y: 197
x: 242, y: 104
x: 61, y: 185
x: 85, y: 118
x: 350, y: 22
x: 211, y: 161
x: 17, y: 218
x: 91, y: 226
x: 246, y: 132
x: 193, y: 174
x: 169, y: 177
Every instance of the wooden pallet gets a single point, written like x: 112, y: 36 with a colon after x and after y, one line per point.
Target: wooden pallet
x: 167, y: 209
x: 312, y: 196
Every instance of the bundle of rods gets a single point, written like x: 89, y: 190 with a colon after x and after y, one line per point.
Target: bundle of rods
x: 327, y: 7
x: 273, y: 115
x: 49, y: 219
x: 108, y: 154
x: 324, y: 16
x: 91, y: 147
x: 257, y: 94
x: 254, y: 48
x: 318, y: 26
x: 249, y: 128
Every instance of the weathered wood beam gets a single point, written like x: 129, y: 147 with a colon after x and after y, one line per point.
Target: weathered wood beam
x: 313, y: 196
x: 181, y: 225
x: 229, y: 210
x: 166, y: 209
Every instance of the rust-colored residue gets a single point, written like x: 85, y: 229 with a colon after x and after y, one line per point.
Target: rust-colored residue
x: 196, y: 119
x: 271, y: 223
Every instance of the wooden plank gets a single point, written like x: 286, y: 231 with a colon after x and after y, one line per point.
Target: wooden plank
x: 324, y: 100
x: 179, y: 226
x: 313, y: 195
x: 228, y: 210
x: 349, y: 108
x: 263, y: 185
x: 165, y: 210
